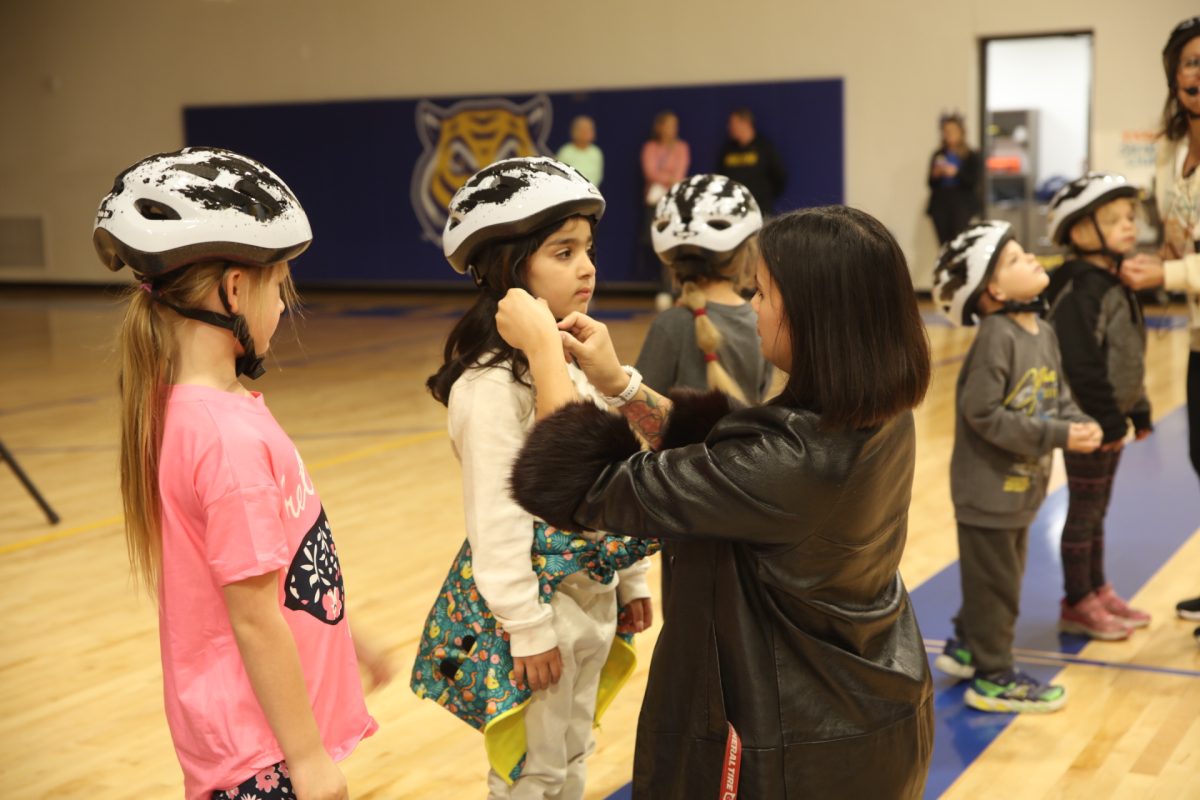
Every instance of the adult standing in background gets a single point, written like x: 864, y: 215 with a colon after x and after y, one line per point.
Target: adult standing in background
x: 751, y: 160
x: 581, y: 152
x: 1177, y: 194
x: 954, y: 173
x: 665, y: 162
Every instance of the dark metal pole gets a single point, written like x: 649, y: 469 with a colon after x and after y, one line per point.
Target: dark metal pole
x: 29, y: 487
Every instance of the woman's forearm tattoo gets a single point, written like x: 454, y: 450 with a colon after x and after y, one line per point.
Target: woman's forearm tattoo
x: 647, y: 412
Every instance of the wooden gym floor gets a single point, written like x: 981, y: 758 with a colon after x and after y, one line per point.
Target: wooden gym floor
x: 80, y: 683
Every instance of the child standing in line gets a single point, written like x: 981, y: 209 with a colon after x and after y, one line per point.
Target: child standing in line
x: 1103, y: 336
x: 260, y: 678
x: 522, y: 641
x: 1013, y: 410
x: 703, y: 232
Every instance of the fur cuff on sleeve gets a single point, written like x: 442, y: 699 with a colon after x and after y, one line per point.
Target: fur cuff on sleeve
x: 693, y: 415
x: 563, y: 456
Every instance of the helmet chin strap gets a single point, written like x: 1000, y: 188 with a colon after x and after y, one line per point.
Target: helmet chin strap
x: 1104, y: 249
x: 248, y: 363
x: 1036, y: 305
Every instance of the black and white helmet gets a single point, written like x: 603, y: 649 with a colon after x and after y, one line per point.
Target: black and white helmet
x: 198, y: 204
x: 964, y: 265
x: 1080, y: 198
x: 704, y: 212
x: 511, y: 198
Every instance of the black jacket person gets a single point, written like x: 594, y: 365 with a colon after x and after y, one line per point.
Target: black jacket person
x: 789, y: 623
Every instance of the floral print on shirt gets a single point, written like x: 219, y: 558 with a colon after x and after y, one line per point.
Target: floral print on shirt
x: 314, y: 579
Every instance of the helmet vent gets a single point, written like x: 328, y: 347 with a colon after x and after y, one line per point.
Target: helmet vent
x: 153, y: 210
x: 718, y: 224
x: 206, y: 171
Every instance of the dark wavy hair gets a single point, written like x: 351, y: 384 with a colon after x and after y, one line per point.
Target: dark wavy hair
x: 474, y: 340
x: 1174, y: 118
x: 860, y: 354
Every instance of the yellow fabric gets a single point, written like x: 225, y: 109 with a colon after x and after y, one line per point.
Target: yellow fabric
x: 504, y: 741
x: 622, y: 661
x: 504, y: 736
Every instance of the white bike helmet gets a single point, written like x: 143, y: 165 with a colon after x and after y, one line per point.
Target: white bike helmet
x: 198, y: 204
x: 964, y: 265
x: 704, y: 213
x: 1080, y: 198
x: 511, y: 198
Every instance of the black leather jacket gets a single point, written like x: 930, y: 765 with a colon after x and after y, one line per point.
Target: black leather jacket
x: 787, y: 614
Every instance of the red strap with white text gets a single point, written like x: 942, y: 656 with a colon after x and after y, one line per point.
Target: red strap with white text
x: 731, y: 767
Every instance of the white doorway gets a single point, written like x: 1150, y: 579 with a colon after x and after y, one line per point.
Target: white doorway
x: 1037, y: 101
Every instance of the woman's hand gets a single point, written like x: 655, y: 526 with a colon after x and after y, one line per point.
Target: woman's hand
x: 1142, y: 271
x: 588, y: 342
x: 540, y: 671
x: 525, y: 322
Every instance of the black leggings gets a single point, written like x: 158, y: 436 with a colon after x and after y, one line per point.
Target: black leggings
x: 1193, y: 409
x: 1089, y: 485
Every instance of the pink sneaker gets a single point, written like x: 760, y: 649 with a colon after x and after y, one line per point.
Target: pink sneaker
x: 1088, y: 617
x: 1113, y: 604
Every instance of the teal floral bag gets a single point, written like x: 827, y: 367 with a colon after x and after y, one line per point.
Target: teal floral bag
x: 464, y: 663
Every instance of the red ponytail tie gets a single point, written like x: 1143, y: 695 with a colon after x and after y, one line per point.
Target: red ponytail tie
x: 710, y: 356
x: 699, y: 312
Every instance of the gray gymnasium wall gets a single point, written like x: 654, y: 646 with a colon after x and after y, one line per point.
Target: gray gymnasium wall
x: 89, y: 86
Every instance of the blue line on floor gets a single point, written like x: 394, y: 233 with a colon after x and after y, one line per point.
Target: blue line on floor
x: 1166, y: 322
x: 935, y: 319
x: 1026, y: 657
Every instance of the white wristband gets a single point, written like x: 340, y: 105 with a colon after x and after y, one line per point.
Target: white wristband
x: 635, y: 383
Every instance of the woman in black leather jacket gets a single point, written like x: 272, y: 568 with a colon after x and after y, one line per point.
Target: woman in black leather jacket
x: 790, y: 659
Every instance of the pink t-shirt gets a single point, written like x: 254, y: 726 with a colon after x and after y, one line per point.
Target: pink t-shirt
x: 665, y: 165
x: 236, y: 503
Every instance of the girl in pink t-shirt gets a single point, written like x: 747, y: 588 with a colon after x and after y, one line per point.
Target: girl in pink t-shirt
x: 260, y: 675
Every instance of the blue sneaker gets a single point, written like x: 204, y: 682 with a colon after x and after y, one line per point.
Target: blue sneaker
x: 1014, y: 691
x: 956, y: 660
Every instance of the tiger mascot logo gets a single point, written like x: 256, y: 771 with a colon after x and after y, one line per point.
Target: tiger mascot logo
x: 461, y: 140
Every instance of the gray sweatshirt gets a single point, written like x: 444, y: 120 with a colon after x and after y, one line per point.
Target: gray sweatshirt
x: 1013, y: 407
x: 670, y: 356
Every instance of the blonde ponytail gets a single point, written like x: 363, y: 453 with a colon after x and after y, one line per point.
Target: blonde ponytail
x: 147, y: 346
x: 708, y: 339
x: 145, y: 372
